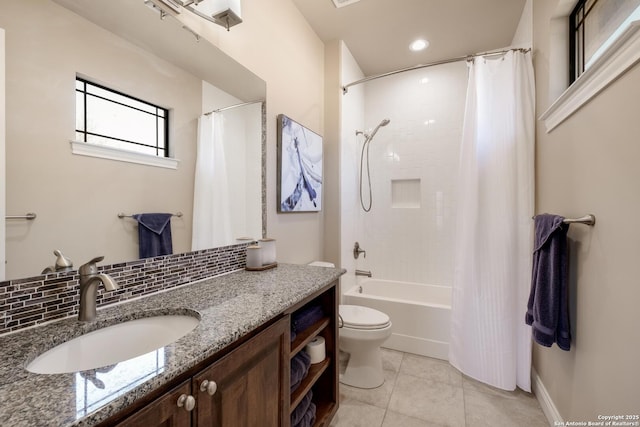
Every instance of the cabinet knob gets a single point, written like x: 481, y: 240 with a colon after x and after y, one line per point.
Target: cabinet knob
x: 209, y: 386
x: 188, y: 402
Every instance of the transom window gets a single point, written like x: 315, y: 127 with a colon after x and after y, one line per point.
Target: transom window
x: 113, y: 119
x: 593, y: 26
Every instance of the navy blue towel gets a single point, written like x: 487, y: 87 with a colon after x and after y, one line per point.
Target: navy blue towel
x: 304, y: 318
x: 309, y: 417
x: 154, y: 234
x: 298, y: 414
x: 299, y: 369
x: 548, y: 306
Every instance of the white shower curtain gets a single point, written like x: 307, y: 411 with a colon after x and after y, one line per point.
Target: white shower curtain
x: 211, y: 215
x: 489, y: 339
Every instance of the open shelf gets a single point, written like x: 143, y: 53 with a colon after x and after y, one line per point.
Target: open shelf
x: 324, y: 412
x: 315, y: 371
x: 322, y: 377
x: 307, y: 335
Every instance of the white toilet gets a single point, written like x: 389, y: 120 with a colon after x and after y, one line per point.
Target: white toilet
x: 362, y: 330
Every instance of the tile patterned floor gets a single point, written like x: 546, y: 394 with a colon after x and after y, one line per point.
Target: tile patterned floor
x: 425, y: 392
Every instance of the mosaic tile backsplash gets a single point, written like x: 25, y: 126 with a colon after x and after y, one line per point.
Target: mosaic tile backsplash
x: 31, y: 301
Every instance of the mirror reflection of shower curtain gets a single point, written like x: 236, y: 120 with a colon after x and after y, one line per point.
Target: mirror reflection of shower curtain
x: 211, y: 208
x: 490, y: 341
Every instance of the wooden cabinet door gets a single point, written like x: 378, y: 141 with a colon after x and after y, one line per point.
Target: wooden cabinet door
x: 164, y: 411
x: 251, y: 384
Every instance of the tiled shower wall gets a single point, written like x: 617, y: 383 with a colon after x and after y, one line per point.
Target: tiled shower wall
x: 408, y: 234
x: 31, y: 301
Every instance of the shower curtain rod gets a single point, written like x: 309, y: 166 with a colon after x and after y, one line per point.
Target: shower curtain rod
x: 234, y: 106
x: 345, y: 88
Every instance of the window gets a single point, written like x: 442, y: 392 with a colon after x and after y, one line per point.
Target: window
x: 108, y: 118
x: 593, y: 26
x: 605, y: 44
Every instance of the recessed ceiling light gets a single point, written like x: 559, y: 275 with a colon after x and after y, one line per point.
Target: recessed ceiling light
x: 424, y: 80
x: 419, y: 44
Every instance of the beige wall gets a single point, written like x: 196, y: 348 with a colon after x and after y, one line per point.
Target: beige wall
x: 77, y: 198
x: 2, y: 157
x: 333, y: 101
x: 277, y: 44
x: 589, y: 164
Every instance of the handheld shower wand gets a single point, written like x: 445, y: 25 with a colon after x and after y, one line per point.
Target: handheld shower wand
x: 384, y: 122
x: 367, y: 139
x: 369, y: 136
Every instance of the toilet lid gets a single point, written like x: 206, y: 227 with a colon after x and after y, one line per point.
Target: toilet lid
x: 359, y: 317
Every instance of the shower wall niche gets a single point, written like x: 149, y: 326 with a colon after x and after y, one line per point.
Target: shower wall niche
x: 405, y: 193
x: 408, y: 234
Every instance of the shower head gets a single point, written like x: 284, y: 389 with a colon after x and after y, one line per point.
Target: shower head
x: 369, y: 136
x: 384, y: 122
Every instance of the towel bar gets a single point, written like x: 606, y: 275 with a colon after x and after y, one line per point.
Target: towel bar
x: 28, y: 216
x: 123, y: 215
x: 588, y: 219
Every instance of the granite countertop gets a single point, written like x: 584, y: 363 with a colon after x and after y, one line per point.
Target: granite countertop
x: 228, y: 306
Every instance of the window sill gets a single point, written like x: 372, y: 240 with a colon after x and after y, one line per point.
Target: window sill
x: 93, y: 150
x: 620, y: 57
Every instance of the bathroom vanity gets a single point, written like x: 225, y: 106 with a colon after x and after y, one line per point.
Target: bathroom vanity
x: 233, y: 369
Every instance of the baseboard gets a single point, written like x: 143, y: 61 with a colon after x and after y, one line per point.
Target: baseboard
x: 415, y: 345
x: 548, y: 407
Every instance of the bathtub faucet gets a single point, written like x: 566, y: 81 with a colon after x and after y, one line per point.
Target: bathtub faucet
x: 363, y: 273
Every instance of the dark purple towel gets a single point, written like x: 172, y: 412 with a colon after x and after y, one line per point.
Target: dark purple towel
x: 154, y: 234
x: 548, y: 306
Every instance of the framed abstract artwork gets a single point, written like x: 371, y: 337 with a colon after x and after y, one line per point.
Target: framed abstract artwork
x: 299, y: 167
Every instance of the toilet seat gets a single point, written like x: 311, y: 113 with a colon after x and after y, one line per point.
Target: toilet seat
x: 365, y: 318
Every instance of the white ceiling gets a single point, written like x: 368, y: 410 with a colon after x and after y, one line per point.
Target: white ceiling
x: 378, y: 32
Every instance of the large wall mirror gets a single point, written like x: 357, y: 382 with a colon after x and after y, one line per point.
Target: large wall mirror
x: 126, y: 46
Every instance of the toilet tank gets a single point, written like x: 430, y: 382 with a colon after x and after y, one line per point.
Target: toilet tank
x: 322, y: 264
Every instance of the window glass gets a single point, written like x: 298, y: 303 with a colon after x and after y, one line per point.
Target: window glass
x: 110, y: 118
x: 594, y: 25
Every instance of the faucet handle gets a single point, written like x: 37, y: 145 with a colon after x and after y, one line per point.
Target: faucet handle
x: 96, y: 259
x: 90, y: 267
x: 62, y: 261
x: 357, y: 250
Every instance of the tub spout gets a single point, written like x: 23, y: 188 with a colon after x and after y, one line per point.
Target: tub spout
x: 363, y: 273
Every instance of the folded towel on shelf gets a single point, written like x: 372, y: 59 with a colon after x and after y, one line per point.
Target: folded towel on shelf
x: 302, y: 408
x: 309, y: 417
x: 299, y: 369
x: 154, y: 234
x: 548, y: 306
x: 306, y: 317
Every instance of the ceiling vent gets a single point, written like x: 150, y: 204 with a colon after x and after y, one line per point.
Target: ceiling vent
x: 343, y: 3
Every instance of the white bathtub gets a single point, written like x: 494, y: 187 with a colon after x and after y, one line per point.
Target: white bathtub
x: 420, y: 313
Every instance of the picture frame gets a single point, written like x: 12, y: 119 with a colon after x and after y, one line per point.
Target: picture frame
x: 300, y: 167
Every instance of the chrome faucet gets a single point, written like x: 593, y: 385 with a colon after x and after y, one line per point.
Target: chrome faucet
x: 89, y: 279
x: 62, y: 264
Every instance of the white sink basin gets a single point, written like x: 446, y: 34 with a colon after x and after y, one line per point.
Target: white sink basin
x: 113, y: 344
